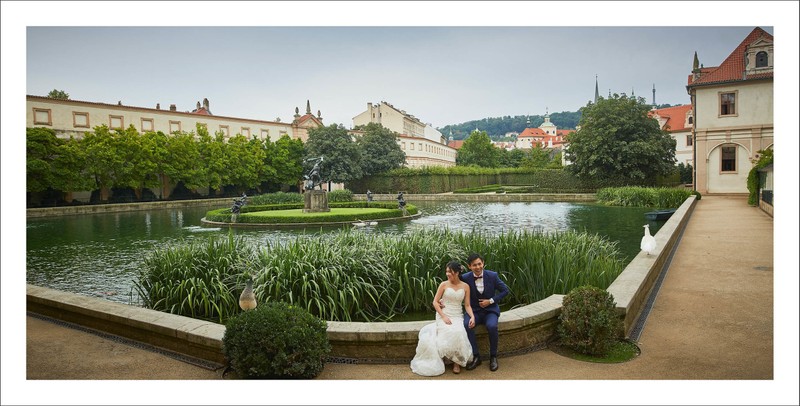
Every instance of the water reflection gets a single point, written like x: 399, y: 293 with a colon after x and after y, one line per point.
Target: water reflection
x: 100, y: 254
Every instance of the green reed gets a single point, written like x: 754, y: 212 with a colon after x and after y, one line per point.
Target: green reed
x: 637, y: 196
x: 352, y: 275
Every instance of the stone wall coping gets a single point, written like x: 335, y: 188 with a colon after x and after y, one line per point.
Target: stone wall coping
x: 533, y: 321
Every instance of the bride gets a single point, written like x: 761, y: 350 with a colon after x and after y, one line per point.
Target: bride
x: 446, y: 337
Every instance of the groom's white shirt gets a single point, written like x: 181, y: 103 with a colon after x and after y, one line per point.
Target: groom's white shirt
x: 478, y: 282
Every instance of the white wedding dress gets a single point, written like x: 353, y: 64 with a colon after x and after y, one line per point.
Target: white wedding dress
x: 437, y: 340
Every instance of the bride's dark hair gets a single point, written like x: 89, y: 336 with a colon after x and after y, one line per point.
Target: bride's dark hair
x: 455, y: 266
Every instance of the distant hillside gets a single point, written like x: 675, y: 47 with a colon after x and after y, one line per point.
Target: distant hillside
x: 497, y: 127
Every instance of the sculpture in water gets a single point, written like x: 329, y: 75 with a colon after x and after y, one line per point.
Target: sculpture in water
x: 238, y: 203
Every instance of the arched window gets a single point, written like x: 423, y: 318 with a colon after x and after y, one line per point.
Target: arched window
x: 691, y: 120
x: 761, y: 60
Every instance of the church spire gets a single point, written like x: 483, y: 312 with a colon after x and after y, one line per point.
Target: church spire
x: 654, y: 95
x: 696, y: 63
x: 308, y: 107
x: 596, y: 90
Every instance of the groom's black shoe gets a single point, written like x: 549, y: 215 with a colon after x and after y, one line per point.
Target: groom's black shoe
x: 474, y: 364
x: 493, y: 364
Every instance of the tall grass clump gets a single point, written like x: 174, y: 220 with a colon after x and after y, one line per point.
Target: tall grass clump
x: 198, y: 279
x: 353, y: 275
x: 636, y: 196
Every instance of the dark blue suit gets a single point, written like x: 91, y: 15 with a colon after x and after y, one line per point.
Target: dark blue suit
x: 494, y: 288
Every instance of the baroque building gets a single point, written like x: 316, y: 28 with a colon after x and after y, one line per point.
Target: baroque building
x: 422, y: 144
x: 74, y: 118
x: 678, y: 121
x: 732, y: 106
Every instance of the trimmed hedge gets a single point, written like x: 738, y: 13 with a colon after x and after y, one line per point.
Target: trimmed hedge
x: 441, y: 180
x: 392, y: 211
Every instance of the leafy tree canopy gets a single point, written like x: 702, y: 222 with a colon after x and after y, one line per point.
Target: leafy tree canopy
x: 58, y: 94
x: 379, y: 149
x: 478, y: 150
x: 342, y: 155
x: 617, y: 139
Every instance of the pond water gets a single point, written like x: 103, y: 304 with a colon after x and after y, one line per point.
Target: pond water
x: 99, y: 254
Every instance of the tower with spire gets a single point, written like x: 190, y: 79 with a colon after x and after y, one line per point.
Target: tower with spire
x: 596, y: 90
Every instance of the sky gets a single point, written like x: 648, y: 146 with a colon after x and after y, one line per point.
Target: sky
x: 441, y: 75
x: 443, y: 62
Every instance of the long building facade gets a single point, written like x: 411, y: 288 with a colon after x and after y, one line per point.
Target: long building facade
x: 74, y: 118
x: 422, y: 144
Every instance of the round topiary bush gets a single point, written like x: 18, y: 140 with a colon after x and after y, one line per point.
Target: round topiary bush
x: 589, y: 323
x: 276, y: 340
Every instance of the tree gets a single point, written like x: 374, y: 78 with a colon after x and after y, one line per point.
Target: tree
x: 213, y: 159
x: 41, y: 150
x: 342, y: 156
x: 478, y: 150
x: 285, y: 156
x: 246, y: 162
x: 512, y: 158
x: 379, y: 150
x: 58, y: 94
x: 536, y: 158
x: 618, y: 140
x: 103, y: 162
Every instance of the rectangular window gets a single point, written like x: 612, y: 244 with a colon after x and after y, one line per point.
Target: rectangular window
x: 116, y: 122
x: 412, y: 146
x: 147, y: 125
x: 729, y: 159
x: 727, y: 104
x: 246, y: 131
x: 420, y: 146
x: 80, y: 120
x: 225, y: 130
x: 403, y: 146
x: 42, y: 116
x: 264, y: 134
x: 688, y: 140
x: 283, y: 133
x: 174, y: 126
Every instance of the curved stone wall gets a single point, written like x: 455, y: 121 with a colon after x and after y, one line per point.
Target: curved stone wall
x: 522, y: 329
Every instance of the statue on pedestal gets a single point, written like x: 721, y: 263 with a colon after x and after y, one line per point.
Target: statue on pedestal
x: 313, y: 178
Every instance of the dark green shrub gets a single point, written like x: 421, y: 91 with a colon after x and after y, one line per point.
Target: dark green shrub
x: 686, y: 172
x: 589, y: 322
x: 275, y: 198
x: 696, y: 193
x: 276, y: 340
x: 340, y: 196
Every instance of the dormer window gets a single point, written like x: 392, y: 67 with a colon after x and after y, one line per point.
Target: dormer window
x: 762, y: 60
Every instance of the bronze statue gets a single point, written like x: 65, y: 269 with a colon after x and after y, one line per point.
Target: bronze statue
x: 313, y: 178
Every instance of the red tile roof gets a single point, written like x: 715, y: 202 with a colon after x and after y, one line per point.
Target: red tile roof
x: 564, y: 132
x: 455, y: 144
x: 675, y: 116
x: 732, y: 68
x: 532, y: 132
x: 201, y: 111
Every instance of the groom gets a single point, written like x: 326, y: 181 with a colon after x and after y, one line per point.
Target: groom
x: 486, y: 291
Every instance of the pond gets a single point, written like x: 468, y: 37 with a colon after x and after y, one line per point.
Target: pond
x: 99, y: 254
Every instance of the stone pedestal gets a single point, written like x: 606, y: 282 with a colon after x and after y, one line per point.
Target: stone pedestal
x: 316, y: 201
